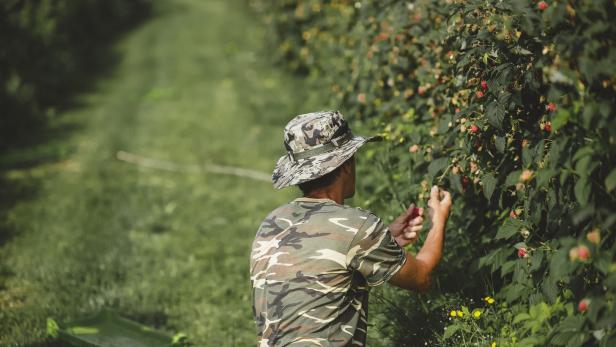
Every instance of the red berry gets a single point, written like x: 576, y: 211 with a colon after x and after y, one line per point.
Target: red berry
x: 542, y: 5
x: 479, y: 94
x: 522, y: 252
x: 513, y: 215
x: 548, y: 127
x: 484, y: 85
x: 551, y: 107
x: 583, y: 305
x: 583, y: 252
x: 361, y: 98
x: 465, y: 181
x: 474, y: 129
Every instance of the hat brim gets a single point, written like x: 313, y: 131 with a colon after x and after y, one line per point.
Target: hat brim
x: 288, y: 173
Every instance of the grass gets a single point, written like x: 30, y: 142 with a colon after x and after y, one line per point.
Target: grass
x: 81, y: 230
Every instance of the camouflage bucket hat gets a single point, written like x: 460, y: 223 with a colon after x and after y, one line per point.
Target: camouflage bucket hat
x: 316, y: 144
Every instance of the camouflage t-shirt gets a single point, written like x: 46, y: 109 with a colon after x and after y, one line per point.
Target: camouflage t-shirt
x: 312, y: 264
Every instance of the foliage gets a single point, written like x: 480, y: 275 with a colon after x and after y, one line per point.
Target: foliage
x: 168, y: 249
x: 50, y: 50
x: 510, y: 105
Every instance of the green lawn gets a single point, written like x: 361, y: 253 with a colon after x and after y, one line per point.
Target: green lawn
x: 168, y: 249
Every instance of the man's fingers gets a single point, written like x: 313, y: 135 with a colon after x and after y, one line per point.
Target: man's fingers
x: 414, y: 230
x: 417, y: 228
x: 434, y: 193
x: 416, y: 221
x: 410, y: 235
x: 446, y: 197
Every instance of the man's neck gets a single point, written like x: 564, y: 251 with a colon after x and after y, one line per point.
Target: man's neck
x: 331, y: 195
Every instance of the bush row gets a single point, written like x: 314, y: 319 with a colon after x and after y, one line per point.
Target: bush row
x: 49, y: 50
x: 510, y: 105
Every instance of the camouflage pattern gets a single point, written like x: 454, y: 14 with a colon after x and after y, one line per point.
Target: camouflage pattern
x: 312, y: 264
x: 308, y: 132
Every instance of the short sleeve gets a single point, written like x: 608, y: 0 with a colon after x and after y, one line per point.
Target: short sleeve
x: 374, y: 253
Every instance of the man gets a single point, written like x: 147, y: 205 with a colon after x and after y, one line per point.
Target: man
x: 314, y: 259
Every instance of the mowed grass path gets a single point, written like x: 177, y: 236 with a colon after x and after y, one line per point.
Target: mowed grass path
x: 168, y: 249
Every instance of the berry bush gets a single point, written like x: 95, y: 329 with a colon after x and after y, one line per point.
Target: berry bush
x: 511, y: 106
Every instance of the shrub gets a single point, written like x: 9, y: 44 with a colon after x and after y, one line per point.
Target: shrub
x: 510, y: 105
x: 50, y: 49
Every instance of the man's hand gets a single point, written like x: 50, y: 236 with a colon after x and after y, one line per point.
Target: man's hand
x: 405, y: 229
x: 439, y: 205
x: 416, y: 274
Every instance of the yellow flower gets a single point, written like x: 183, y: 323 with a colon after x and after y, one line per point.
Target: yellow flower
x: 493, y: 344
x: 489, y: 300
x: 476, y: 314
x: 452, y: 313
x: 459, y: 313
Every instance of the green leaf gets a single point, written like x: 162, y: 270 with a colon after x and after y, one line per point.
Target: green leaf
x: 507, y: 267
x: 582, y: 190
x: 602, y: 263
x: 452, y: 329
x: 513, y: 178
x: 489, y: 183
x: 544, y: 176
x: 570, y: 324
x: 495, y: 113
x: 610, y: 181
x: 582, y: 166
x: 508, y: 229
x: 455, y: 182
x: 500, y: 143
x: 437, y: 165
x: 561, y: 118
x: 610, y: 281
x: 52, y: 328
x: 536, y: 260
x: 583, y: 152
x: 549, y: 287
x: 521, y: 317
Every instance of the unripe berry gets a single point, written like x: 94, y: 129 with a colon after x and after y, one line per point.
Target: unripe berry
x: 594, y: 236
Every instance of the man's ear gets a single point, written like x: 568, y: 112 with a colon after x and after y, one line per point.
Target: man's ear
x: 347, y: 166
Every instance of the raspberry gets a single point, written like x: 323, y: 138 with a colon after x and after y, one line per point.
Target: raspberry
x: 551, y: 107
x: 522, y: 252
x: 542, y: 5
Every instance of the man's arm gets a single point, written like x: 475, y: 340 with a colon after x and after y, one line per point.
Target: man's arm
x: 416, y: 274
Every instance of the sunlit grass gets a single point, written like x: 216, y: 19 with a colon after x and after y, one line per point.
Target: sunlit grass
x: 168, y: 249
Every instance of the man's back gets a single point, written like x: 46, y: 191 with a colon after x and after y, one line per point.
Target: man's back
x: 312, y: 263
